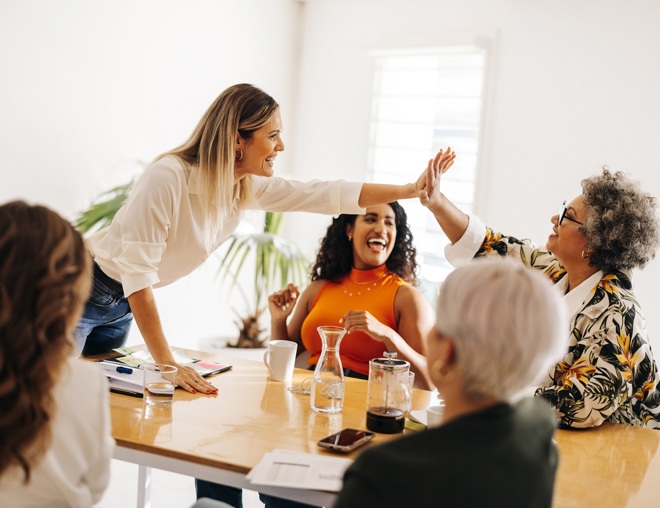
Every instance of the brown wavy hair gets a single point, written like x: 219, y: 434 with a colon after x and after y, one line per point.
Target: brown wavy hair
x: 335, y: 256
x: 45, y: 278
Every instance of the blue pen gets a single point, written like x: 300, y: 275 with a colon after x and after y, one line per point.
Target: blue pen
x: 119, y: 368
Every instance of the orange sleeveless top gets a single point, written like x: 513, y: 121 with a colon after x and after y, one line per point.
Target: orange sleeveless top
x: 369, y: 290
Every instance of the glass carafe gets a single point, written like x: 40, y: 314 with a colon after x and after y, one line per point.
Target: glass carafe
x: 388, y: 395
x: 327, y: 395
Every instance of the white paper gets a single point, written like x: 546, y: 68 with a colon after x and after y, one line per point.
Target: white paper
x: 296, y: 470
x: 132, y: 382
x: 418, y: 415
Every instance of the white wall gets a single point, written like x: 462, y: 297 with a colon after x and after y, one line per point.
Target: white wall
x: 87, y: 87
x: 573, y: 87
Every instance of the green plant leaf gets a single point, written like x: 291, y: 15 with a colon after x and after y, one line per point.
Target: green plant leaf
x: 276, y: 261
x: 103, y: 210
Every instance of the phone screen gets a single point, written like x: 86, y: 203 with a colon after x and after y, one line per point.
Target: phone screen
x: 347, y: 439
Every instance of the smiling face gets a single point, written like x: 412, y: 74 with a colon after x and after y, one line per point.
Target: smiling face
x: 373, y: 237
x: 260, y: 150
x: 566, y: 241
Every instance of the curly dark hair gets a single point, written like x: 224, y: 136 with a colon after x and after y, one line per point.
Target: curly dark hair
x: 621, y: 226
x: 334, y: 258
x: 45, y: 277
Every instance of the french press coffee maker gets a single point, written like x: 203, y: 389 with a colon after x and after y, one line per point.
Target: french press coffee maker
x: 389, y: 392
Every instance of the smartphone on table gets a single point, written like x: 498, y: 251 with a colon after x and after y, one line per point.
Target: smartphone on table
x: 346, y: 440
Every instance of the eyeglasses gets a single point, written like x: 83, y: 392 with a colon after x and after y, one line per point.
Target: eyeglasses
x: 562, y: 215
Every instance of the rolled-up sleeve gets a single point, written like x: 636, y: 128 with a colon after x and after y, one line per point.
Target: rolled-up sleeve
x: 138, y: 265
x: 279, y: 195
x: 469, y: 244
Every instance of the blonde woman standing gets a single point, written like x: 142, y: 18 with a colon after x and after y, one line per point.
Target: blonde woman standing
x: 187, y: 203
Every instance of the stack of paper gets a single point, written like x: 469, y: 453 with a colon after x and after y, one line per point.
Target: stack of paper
x: 296, y: 470
x: 127, y: 380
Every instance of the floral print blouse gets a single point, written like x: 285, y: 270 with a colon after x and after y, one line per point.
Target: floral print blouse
x: 609, y: 373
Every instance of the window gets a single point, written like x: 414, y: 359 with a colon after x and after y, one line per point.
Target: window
x: 424, y: 101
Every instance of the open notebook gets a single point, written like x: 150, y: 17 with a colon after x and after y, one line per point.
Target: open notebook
x: 124, y: 374
x: 135, y: 358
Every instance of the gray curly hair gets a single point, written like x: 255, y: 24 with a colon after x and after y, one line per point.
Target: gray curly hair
x: 621, y: 226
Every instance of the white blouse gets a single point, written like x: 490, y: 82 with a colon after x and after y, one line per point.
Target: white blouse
x: 157, y: 237
x: 75, y: 470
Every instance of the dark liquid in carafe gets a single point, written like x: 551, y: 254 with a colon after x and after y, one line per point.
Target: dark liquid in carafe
x: 385, y: 420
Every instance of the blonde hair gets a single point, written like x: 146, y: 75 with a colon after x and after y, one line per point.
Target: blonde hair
x: 45, y: 278
x: 508, y: 323
x: 240, y: 109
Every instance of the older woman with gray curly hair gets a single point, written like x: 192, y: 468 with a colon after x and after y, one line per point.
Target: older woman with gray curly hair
x: 608, y: 373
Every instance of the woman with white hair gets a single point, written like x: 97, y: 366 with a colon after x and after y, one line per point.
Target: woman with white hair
x: 499, y: 326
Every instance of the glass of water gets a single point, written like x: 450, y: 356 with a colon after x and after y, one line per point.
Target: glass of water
x: 159, y: 384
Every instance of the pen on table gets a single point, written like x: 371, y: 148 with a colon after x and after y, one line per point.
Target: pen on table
x: 119, y: 368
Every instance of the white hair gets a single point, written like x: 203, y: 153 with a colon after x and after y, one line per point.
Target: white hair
x: 509, y: 325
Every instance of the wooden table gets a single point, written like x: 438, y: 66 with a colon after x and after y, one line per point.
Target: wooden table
x: 612, y: 466
x: 221, y: 437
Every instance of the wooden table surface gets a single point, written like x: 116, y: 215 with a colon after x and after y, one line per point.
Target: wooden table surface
x: 612, y: 466
x: 250, y: 415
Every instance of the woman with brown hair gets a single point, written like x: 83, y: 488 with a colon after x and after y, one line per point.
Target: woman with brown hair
x: 55, y: 442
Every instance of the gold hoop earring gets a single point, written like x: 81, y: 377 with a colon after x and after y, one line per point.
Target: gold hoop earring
x: 585, y: 257
x: 239, y: 157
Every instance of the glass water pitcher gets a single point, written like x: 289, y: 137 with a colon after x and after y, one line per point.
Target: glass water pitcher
x: 327, y: 395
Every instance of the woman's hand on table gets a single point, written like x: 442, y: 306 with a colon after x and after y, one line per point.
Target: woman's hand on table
x: 191, y: 381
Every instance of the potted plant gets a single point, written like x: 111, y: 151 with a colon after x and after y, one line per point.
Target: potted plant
x: 101, y: 212
x: 276, y: 261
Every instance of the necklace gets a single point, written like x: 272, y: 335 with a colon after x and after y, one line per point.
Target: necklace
x: 370, y: 284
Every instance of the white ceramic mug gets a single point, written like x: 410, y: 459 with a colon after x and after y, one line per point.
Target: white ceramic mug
x: 435, y: 415
x: 280, y: 359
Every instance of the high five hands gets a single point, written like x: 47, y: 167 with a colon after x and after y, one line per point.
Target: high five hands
x: 430, y: 195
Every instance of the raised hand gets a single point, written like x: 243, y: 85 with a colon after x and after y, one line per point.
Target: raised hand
x: 430, y: 196
x: 282, y: 302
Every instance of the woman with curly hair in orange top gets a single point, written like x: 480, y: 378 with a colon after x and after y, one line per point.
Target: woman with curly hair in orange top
x: 55, y: 443
x: 364, y: 280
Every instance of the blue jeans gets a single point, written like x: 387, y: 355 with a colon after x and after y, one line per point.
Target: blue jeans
x: 106, y: 319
